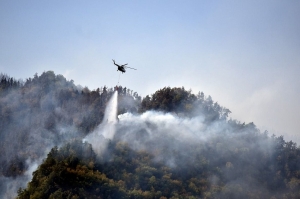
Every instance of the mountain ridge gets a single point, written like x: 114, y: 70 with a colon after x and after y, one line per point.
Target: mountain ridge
x: 171, y: 144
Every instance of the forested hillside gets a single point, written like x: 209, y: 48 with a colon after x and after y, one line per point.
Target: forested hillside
x: 46, y: 111
x: 170, y: 144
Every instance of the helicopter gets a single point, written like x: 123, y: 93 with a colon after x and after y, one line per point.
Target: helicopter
x: 122, y: 67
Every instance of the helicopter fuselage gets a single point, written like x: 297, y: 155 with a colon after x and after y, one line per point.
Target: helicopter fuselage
x: 122, y: 69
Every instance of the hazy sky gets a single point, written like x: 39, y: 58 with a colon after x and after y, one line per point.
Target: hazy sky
x: 245, y: 54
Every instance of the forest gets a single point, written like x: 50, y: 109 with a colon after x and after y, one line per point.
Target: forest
x: 169, y: 144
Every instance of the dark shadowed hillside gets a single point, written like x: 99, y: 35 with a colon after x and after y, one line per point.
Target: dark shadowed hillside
x: 171, y: 144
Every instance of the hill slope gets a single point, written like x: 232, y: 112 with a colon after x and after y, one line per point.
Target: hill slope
x: 43, y: 112
x: 171, y: 144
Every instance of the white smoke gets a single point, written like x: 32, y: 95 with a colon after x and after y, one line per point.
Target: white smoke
x: 179, y: 142
x: 9, y: 185
x: 167, y: 136
x: 167, y: 124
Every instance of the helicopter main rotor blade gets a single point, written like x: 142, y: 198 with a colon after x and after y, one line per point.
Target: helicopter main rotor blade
x: 131, y: 68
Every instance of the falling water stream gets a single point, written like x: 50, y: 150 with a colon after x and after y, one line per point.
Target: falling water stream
x: 106, y: 130
x: 110, y: 117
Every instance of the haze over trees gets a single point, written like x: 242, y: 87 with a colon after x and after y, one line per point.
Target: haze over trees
x: 171, y: 144
x: 43, y: 112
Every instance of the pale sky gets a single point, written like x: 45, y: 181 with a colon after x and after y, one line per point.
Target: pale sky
x: 244, y: 54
